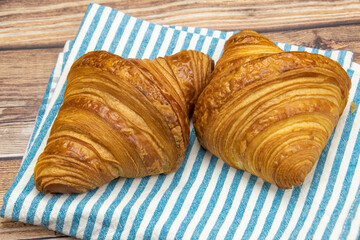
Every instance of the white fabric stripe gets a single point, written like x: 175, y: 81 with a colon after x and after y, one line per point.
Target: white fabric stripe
x: 334, y: 55
x: 133, y: 209
x: 55, y: 211
x: 206, y: 45
x: 190, y: 196
x: 344, y: 165
x: 86, y: 211
x: 100, y: 26
x: 235, y: 204
x: 180, y: 42
x: 217, y: 208
x: 112, y: 31
x: 280, y: 213
x: 216, y: 34
x: 139, y: 37
x: 165, y: 44
x: 193, y: 41
x: 152, y: 41
x: 354, y: 230
x: 117, y: 212
x: 125, y: 36
x: 347, y: 60
x: 102, y: 210
x: 264, y: 212
x: 175, y: 194
x: 254, y: 196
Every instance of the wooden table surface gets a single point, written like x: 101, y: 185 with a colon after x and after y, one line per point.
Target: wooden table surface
x: 32, y: 33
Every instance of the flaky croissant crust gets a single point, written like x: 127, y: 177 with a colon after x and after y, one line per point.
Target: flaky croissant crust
x: 121, y: 117
x: 270, y: 112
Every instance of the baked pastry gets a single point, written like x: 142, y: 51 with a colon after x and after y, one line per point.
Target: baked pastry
x: 270, y: 112
x: 121, y: 118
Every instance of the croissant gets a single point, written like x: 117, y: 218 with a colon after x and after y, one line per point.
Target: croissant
x: 121, y: 118
x: 270, y: 112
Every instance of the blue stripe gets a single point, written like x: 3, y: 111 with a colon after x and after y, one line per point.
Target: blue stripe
x: 187, y: 41
x: 62, y: 212
x: 173, y: 43
x: 197, y: 199
x: 210, y: 33
x: 84, y: 20
x: 124, y: 21
x: 146, y: 40
x: 341, y: 57
x: 90, y: 32
x: 96, y: 207
x: 197, y: 30
x: 106, y: 29
x: 33, y: 207
x: 257, y: 210
x: 144, y: 206
x: 184, y: 29
x: 183, y: 194
x: 351, y: 215
x: 223, y: 35
x: 227, y: 205
x: 272, y: 213
x: 328, y: 53
x: 174, y: 183
x: 213, y: 45
x: 126, y: 210
x: 287, y: 47
x: 78, y: 212
x: 158, y: 43
x: 301, y: 49
x: 288, y: 213
x: 131, y: 38
x: 212, y: 202
x: 200, y: 43
x: 110, y: 211
x: 241, y: 209
x: 48, y: 209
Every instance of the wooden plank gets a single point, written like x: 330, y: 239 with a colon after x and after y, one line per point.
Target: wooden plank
x: 25, y: 24
x: 23, y: 231
x: 23, y: 78
x: 345, y: 37
x: 8, y: 170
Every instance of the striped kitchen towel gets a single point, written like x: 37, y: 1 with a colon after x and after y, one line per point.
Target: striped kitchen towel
x: 205, y: 198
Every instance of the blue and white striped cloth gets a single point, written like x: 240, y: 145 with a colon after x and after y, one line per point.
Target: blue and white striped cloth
x: 205, y: 198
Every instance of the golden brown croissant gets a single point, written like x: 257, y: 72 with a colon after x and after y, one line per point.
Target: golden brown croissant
x: 270, y: 112
x: 121, y: 117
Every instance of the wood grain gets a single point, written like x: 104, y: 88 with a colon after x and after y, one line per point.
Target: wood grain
x: 23, y: 78
x: 29, y: 24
